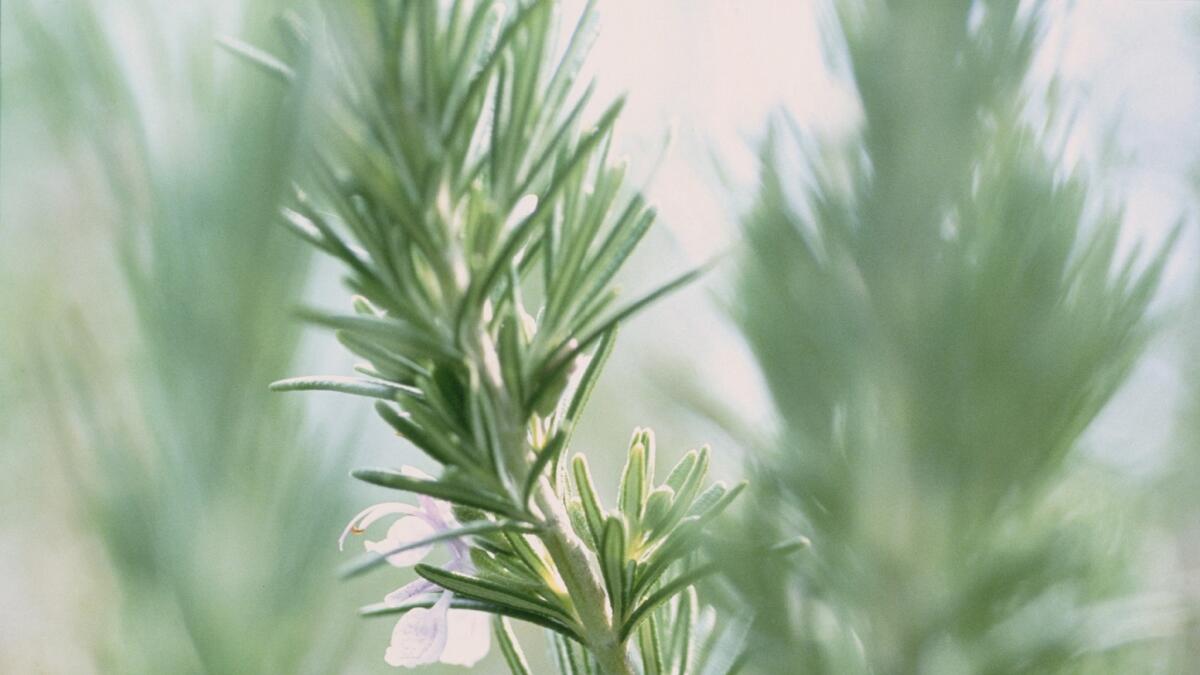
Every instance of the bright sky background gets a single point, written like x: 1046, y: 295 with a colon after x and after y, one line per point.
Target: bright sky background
x: 717, y: 69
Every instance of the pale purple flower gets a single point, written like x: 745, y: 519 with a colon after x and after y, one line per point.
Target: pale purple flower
x: 439, y: 633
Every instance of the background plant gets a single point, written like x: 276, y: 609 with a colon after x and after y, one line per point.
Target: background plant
x: 939, y: 311
x: 166, y: 446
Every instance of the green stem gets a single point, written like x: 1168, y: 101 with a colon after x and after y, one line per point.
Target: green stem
x: 582, y: 579
x: 574, y: 563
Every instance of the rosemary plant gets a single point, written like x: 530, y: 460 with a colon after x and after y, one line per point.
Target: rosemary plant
x: 481, y: 225
x: 939, y: 311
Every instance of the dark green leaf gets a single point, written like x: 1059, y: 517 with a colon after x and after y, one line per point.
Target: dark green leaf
x: 382, y: 609
x: 650, y: 647
x: 612, y: 563
x: 592, y: 510
x: 450, y: 492
x: 495, y: 593
x: 664, y: 594
x: 544, y: 457
x: 373, y: 560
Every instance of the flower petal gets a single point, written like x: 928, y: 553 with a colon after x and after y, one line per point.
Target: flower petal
x: 468, y: 637
x: 433, y: 509
x: 408, y: 591
x: 419, y: 636
x: 371, y: 514
x: 404, y: 531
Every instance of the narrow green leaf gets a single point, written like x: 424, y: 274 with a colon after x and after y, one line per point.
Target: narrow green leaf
x: 474, y: 46
x: 681, y: 470
x: 496, y: 565
x: 353, y: 256
x: 546, y: 204
x: 565, y: 293
x: 622, y: 240
x: 632, y: 491
x: 681, y: 632
x: 499, y: 594
x: 459, y: 602
x: 591, y: 375
x: 664, y: 594
x: 628, y: 577
x: 580, y: 43
x: 430, y: 56
x: 450, y: 492
x: 657, y: 506
x: 641, y: 303
x: 684, y: 538
x: 484, y: 417
x: 369, y: 371
x: 566, y: 660
x: 713, y: 501
x: 790, y: 546
x: 592, y: 509
x: 499, y: 111
x: 579, y: 399
x: 579, y: 523
x: 481, y: 79
x: 373, y: 560
x: 554, y: 144
x: 649, y: 443
x: 509, y: 647
x: 543, y: 458
x: 650, y: 647
x: 397, y: 365
x: 709, y: 498
x: 686, y: 493
x: 611, y: 323
x: 527, y: 555
x: 526, y: 78
x: 512, y: 361
x: 409, y: 430
x: 612, y: 563
x: 389, y: 330
x: 253, y: 55
x: 306, y: 230
x: 358, y: 386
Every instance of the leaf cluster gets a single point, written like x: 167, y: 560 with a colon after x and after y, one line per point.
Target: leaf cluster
x: 481, y: 225
x: 643, y: 548
x: 653, y: 527
x: 458, y: 184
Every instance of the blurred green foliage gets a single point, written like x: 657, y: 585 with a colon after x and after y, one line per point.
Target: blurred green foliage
x: 939, y: 311
x: 216, y: 511
x: 1180, y: 515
